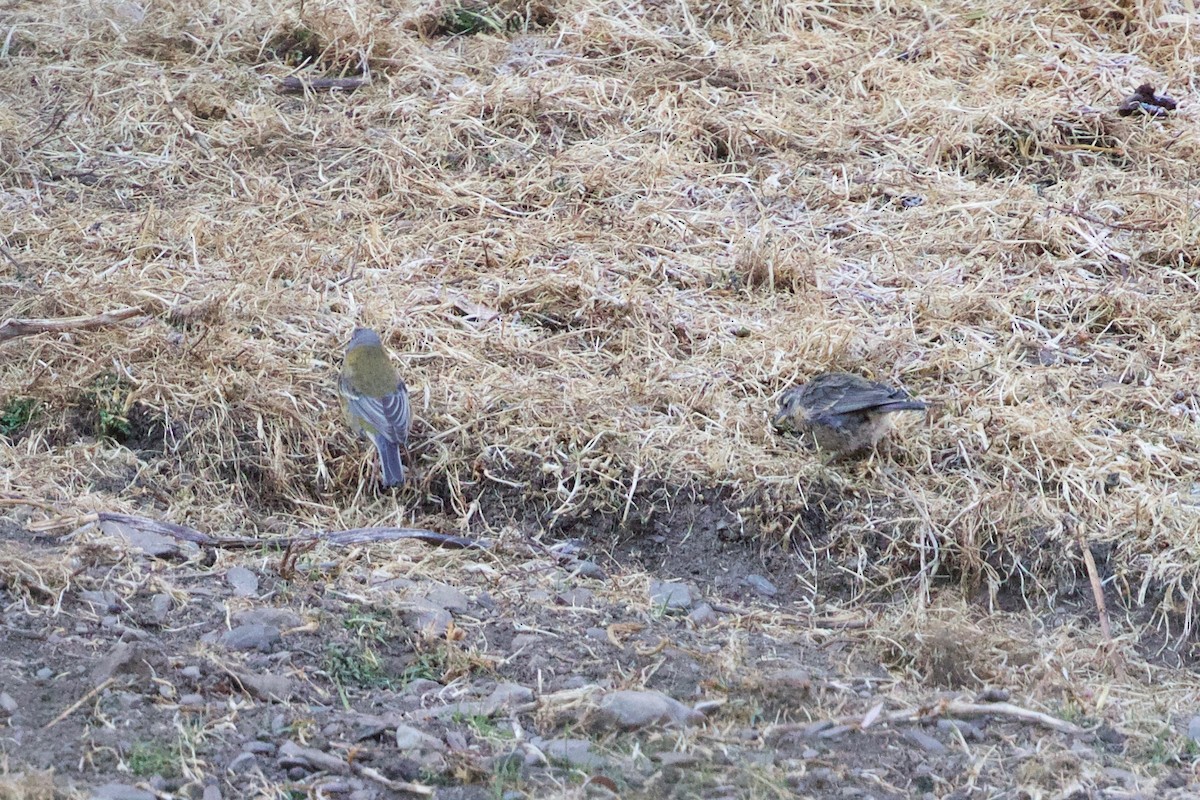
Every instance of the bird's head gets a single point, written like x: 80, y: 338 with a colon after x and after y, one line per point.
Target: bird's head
x: 364, y: 337
x: 790, y: 411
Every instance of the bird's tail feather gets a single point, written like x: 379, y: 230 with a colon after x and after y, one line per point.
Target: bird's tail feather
x: 903, y: 405
x: 389, y: 459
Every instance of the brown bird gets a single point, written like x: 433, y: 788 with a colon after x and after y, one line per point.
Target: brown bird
x: 843, y: 414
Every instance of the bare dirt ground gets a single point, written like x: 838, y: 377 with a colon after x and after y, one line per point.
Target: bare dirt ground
x: 599, y: 239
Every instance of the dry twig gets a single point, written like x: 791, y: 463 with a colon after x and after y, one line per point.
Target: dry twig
x: 12, y: 328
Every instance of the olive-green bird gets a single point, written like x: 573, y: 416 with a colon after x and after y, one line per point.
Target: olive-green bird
x: 844, y: 414
x: 375, y: 400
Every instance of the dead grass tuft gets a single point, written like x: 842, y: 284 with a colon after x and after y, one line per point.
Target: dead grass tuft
x: 30, y: 786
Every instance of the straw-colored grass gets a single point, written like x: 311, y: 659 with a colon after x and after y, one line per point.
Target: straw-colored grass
x: 600, y: 237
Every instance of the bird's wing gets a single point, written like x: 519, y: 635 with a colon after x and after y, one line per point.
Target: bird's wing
x: 391, y: 416
x: 864, y: 398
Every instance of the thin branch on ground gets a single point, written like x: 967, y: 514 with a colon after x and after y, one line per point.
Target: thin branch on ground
x: 12, y: 328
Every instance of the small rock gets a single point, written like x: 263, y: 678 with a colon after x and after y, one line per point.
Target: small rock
x: 122, y: 659
x: 266, y: 686
x: 590, y: 569
x: 280, y: 618
x: 243, y: 582
x: 969, y: 731
x: 259, y: 748
x: 409, y: 738
x: 44, y: 674
x: 703, y: 616
x: 120, y: 791
x: 428, y: 620
x: 576, y: 753
x: 629, y: 710
x: 761, y: 585
x: 160, y: 607
x: 242, y: 762
x: 507, y: 696
x: 447, y: 598
x: 262, y: 638
x: 599, y: 634
x: 7, y: 703
x: 212, y: 792
x: 525, y: 640
x: 670, y: 595
x: 104, y: 601
x: 1193, y: 729
x: 924, y: 741
x: 456, y: 740
x: 192, y: 700
x: 191, y: 672
x: 577, y: 597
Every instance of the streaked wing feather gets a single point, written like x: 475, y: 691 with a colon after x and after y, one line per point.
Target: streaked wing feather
x: 866, y: 399
x: 390, y: 415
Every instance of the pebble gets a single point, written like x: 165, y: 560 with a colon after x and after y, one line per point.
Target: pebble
x: 7, y: 703
x: 590, y: 569
x: 212, y: 792
x: 1193, y: 729
x: 577, y: 597
x: 192, y: 700
x: 599, y: 634
x: 263, y: 638
x: 44, y: 674
x: 191, y: 672
x: 525, y: 640
x: 242, y: 762
x: 507, y: 695
x: 243, y: 582
x: 259, y: 748
x: 761, y: 585
x: 107, y: 601
x: 123, y: 658
x: 409, y: 738
x: 447, y: 598
x: 266, y: 686
x: 703, y: 616
x: 160, y: 607
x: 575, y: 753
x: 630, y: 710
x: 924, y: 741
x: 670, y: 595
x: 428, y: 620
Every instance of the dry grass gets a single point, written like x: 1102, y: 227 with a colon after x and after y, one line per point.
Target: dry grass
x: 600, y: 238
